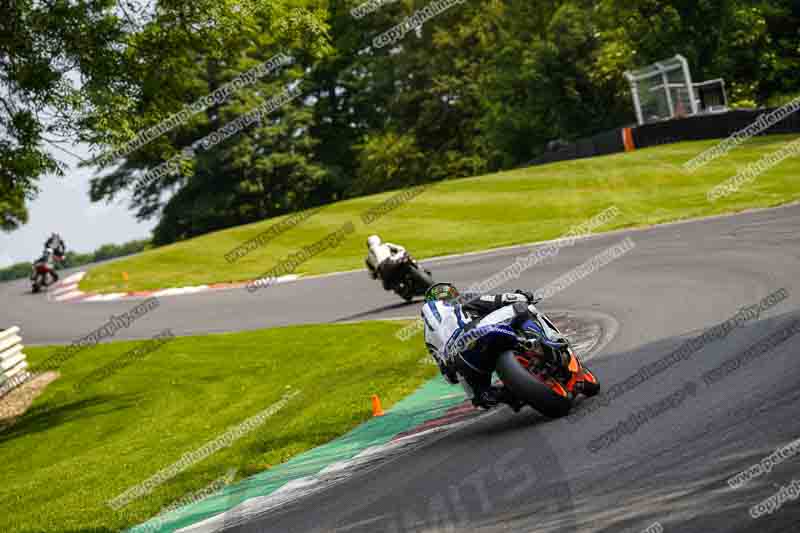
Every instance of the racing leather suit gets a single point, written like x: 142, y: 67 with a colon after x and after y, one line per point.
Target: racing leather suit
x: 382, y: 262
x: 57, y: 245
x: 457, y: 336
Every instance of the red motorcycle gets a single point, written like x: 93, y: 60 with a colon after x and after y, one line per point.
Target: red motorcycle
x: 44, y: 269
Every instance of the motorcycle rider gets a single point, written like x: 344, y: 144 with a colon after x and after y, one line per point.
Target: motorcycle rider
x: 56, y: 244
x: 54, y: 248
x: 465, y: 339
x: 47, y: 258
x: 383, y: 260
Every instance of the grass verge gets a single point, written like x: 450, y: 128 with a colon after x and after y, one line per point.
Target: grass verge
x: 74, y: 451
x: 538, y: 203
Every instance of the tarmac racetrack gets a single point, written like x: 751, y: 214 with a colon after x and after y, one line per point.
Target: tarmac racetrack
x: 658, y: 453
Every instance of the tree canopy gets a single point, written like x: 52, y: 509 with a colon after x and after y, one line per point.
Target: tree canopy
x: 480, y: 87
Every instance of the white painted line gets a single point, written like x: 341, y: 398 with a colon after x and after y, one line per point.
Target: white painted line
x: 167, y: 292
x: 366, y: 454
x: 291, y: 491
x: 198, y: 288
x: 299, y: 484
x: 373, y: 457
x: 105, y: 297
x: 361, y: 523
x: 455, y: 257
x: 285, y: 279
x: 68, y: 296
x: 177, y: 291
x: 181, y: 290
x: 622, y: 231
x: 63, y: 289
x: 73, y: 278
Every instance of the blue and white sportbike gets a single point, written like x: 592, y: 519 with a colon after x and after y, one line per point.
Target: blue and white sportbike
x: 471, y: 337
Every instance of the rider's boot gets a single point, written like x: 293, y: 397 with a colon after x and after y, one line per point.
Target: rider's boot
x: 493, y: 396
x: 486, y: 399
x: 479, y: 386
x: 448, y: 372
x: 503, y: 395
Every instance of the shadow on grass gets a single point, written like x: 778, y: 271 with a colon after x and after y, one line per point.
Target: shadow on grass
x: 87, y: 530
x: 49, y: 415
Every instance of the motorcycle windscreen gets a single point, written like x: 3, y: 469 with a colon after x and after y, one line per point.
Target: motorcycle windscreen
x: 542, y: 331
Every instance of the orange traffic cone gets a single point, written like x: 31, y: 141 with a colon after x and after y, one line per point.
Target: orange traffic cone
x: 124, y: 276
x: 377, y: 410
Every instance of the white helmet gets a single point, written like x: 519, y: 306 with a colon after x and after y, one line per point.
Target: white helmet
x: 373, y: 241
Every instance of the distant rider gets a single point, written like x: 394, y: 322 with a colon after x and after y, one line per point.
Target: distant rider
x: 465, y: 338
x: 46, y: 258
x: 56, y: 244
x: 383, y: 260
x: 54, y: 249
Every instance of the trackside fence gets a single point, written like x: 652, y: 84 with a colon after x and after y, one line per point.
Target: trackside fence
x: 696, y: 128
x: 13, y: 365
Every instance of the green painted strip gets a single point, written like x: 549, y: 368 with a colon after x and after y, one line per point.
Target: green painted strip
x: 430, y: 401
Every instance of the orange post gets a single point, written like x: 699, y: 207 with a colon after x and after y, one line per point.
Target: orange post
x: 124, y: 276
x: 627, y: 140
x: 377, y: 410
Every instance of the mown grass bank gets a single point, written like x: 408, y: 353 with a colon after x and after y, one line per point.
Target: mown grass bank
x: 74, y: 451
x: 649, y: 186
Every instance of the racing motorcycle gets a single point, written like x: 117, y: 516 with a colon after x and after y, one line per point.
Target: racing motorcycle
x: 544, y: 371
x: 43, y: 270
x: 409, y: 279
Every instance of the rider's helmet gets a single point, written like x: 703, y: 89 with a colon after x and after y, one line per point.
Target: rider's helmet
x: 373, y: 241
x: 445, y: 292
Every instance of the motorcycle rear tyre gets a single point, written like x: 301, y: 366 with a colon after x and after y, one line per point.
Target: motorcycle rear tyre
x: 530, y: 390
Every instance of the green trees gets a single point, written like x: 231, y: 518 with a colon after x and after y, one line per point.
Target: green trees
x: 480, y: 87
x: 56, y: 59
x: 73, y: 259
x: 260, y: 169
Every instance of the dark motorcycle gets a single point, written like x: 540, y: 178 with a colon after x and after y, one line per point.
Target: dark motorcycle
x: 545, y: 372
x: 408, y: 278
x: 44, y: 272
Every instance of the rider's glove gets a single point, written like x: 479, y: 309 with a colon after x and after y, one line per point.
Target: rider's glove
x: 526, y: 294
x: 528, y: 344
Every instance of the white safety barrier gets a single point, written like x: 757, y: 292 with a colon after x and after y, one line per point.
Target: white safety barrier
x: 13, y: 366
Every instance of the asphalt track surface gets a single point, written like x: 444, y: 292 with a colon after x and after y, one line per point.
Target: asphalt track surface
x: 522, y: 472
